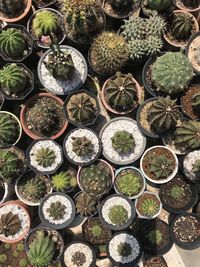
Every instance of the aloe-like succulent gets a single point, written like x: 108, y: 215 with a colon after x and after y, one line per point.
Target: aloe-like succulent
x: 10, y: 224
x: 118, y: 215
x: 64, y: 181
x: 45, y: 157
x: 196, y: 101
x: 82, y: 146
x: 56, y: 210
x: 161, y: 166
x: 123, y: 142
x: 86, y: 206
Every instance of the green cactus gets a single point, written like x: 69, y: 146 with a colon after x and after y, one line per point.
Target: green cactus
x: 158, y: 5
x: 86, y: 206
x: 41, y: 250
x: 172, y: 72
x: 97, y: 231
x: 176, y: 192
x: 137, y: 49
x: 118, y: 215
x: 196, y: 167
x: 191, y: 3
x: 123, y: 142
x: 149, y: 206
x: 13, y: 79
x: 120, y: 5
x: 82, y: 146
x: 124, y: 249
x: 78, y: 258
x: 64, y: 181
x: 161, y: 167
x: 10, y: 224
x: 182, y: 25
x: 20, y: 247
x: 109, y: 52
x: 13, y: 43
x: 23, y: 263
x: 196, y: 101
x: 56, y: 210
x: 187, y: 135
x: 45, y: 157
x: 35, y: 188
x: 3, y: 258
x: 163, y: 114
x: 121, y: 92
x: 10, y: 9
x: 155, y: 237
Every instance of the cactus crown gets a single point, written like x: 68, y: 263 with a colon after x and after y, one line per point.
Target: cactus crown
x: 85, y: 205
x: 196, y: 167
x: 123, y: 142
x: 109, y: 52
x: 118, y: 215
x: 9, y: 224
x: 161, y: 167
x: 150, y: 206
x: 41, y: 250
x: 45, y: 157
x: 182, y: 25
x: 12, y: 43
x: 56, y: 210
x: 196, y: 101
x: 177, y: 192
x: 82, y: 146
x: 13, y: 79
x: 63, y: 181
x: 163, y: 114
x: 124, y: 249
x: 155, y: 237
x: 172, y: 72
x: 35, y: 188
x: 11, y: 10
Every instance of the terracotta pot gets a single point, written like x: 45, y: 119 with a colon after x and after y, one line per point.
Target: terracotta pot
x: 25, y: 108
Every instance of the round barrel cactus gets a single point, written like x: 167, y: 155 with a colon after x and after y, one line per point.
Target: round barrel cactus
x: 159, y: 4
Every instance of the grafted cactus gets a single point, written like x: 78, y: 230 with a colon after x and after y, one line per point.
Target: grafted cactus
x: 182, y: 25
x: 158, y: 4
x: 120, y: 5
x: 196, y: 101
x: 82, y: 146
x: 123, y: 142
x: 10, y: 224
x: 56, y: 210
x: 161, y: 166
x: 10, y: 9
x: 45, y: 157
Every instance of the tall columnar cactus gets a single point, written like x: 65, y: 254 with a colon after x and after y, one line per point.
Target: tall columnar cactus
x: 196, y: 101
x: 172, y: 72
x: 109, y: 52
x: 63, y: 181
x: 56, y: 210
x: 161, y: 166
x: 45, y: 157
x: 35, y: 188
x: 120, y: 5
x: 191, y: 3
x: 12, y: 43
x: 121, y: 92
x: 123, y: 142
x: 85, y: 205
x: 10, y: 224
x: 158, y: 4
x: 10, y: 9
x: 187, y: 135
x: 149, y: 206
x: 163, y: 114
x: 181, y: 27
x: 82, y: 146
x: 41, y: 250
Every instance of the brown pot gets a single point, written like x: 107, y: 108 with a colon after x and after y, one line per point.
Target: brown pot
x: 108, y: 107
x: 23, y: 115
x: 26, y: 11
x: 182, y: 7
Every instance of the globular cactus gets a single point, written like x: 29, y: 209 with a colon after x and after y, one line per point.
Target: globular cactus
x: 35, y: 188
x: 120, y: 5
x: 123, y: 142
x: 137, y: 49
x: 134, y: 28
x: 82, y: 146
x: 191, y: 3
x: 13, y: 43
x: 155, y: 237
x: 172, y: 73
x: 153, y: 45
x: 196, y: 167
x: 163, y: 114
x: 64, y: 181
x: 45, y: 157
x: 161, y: 167
x: 13, y: 79
x: 177, y: 192
x: 45, y: 22
x: 10, y: 9
x: 78, y: 258
x: 86, y: 206
x: 41, y: 250
x: 10, y: 224
x: 158, y: 5
x: 196, y: 101
x: 187, y: 135
x: 118, y: 215
x: 149, y: 207
x: 181, y: 27
x: 109, y: 52
x: 121, y: 92
x: 56, y: 210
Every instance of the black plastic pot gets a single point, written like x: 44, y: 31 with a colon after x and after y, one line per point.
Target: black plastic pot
x: 192, y: 38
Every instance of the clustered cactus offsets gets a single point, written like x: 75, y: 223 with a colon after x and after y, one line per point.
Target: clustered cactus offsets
x: 123, y: 142
x: 64, y: 181
x: 86, y: 206
x: 9, y: 224
x: 11, y: 10
x: 82, y: 146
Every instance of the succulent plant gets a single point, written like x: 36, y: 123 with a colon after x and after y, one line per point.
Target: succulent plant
x: 109, y: 52
x: 196, y: 167
x: 172, y: 72
x: 191, y: 3
x: 35, y: 188
x: 120, y: 5
x: 12, y: 43
x: 187, y: 135
x: 97, y: 231
x: 149, y: 206
x: 123, y: 142
x: 45, y: 157
x: 23, y: 263
x: 155, y: 237
x: 163, y: 114
x: 118, y: 215
x: 158, y: 4
x: 196, y: 101
x: 11, y: 10
x: 41, y: 250
x: 56, y: 210
x: 85, y: 205
x: 82, y: 146
x: 13, y: 79
x: 64, y: 181
x: 3, y: 258
x: 181, y: 27
x: 121, y: 92
x: 176, y: 192
x: 78, y: 258
x: 9, y: 224
x: 161, y: 166
x: 124, y: 249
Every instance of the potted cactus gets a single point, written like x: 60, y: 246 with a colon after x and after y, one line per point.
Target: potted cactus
x: 192, y: 51
x: 81, y: 108
x: 122, y: 141
x: 82, y: 146
x: 151, y: 7
x: 191, y: 166
x: 42, y: 116
x: 44, y: 156
x: 121, y: 94
x: 16, y: 81
x: 64, y: 181
x: 188, y: 5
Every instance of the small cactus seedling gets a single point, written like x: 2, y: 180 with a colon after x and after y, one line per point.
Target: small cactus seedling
x: 78, y: 258
x: 118, y: 215
x: 64, y: 181
x: 56, y: 210
x: 177, y: 192
x: 196, y: 167
x: 45, y: 157
x: 97, y: 231
x: 124, y: 249
x: 35, y: 188
x: 9, y: 224
x: 158, y: 4
x: 82, y: 146
x: 155, y: 237
x: 120, y: 5
x: 148, y: 205
x: 123, y: 142
x: 10, y: 9
x: 196, y: 101
x: 161, y: 167
x: 86, y: 206
x: 182, y: 25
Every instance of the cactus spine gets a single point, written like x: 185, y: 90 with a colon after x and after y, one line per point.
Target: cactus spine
x: 63, y: 181
x: 161, y: 167
x: 56, y: 210
x: 182, y: 25
x: 196, y: 101
x: 9, y: 224
x: 45, y: 157
x: 123, y: 142
x: 10, y: 9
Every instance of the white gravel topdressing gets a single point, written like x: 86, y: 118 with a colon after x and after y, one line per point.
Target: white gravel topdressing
x: 65, y: 86
x: 122, y: 125
x: 23, y: 216
x: 46, y: 144
x: 81, y: 133
x: 65, y: 202
x: 188, y: 163
x: 111, y: 202
x: 78, y: 247
x: 124, y: 238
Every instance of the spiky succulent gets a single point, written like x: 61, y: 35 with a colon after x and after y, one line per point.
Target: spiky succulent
x: 176, y: 192
x: 158, y: 4
x: 35, y: 188
x: 191, y: 3
x: 56, y: 210
x: 86, y: 206
x: 196, y: 101
x: 181, y: 26
x: 41, y: 250
x: 163, y: 114
x: 82, y: 146
x: 9, y: 224
x: 123, y: 142
x: 97, y: 230
x: 161, y: 166
x: 45, y: 157
x: 10, y: 9
x: 149, y: 206
x: 155, y: 237
x: 187, y: 135
x: 124, y: 249
x: 13, y: 79
x: 172, y: 72
x: 64, y: 181
x: 109, y: 52
x: 118, y: 215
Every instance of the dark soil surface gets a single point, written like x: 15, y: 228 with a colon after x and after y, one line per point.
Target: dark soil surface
x: 187, y: 104
x: 155, y: 262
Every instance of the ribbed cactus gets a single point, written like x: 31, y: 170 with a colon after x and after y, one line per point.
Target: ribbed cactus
x: 56, y: 210
x: 196, y: 101
x: 35, y: 188
x: 181, y: 27
x: 172, y: 72
x: 187, y: 135
x: 196, y: 167
x: 109, y: 52
x: 120, y: 5
x: 121, y: 92
x: 161, y: 166
x: 191, y: 3
x: 82, y: 146
x: 64, y: 181
x: 11, y: 9
x: 163, y: 114
x: 41, y: 250
x: 12, y: 43
x: 137, y: 49
x: 10, y: 224
x: 149, y: 206
x: 85, y: 205
x: 123, y: 142
x: 13, y: 79
x: 158, y: 4
x: 45, y: 22
x: 45, y: 157
x: 155, y: 237
x: 118, y: 215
